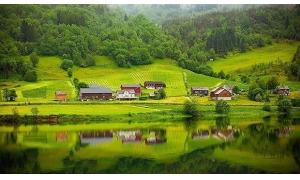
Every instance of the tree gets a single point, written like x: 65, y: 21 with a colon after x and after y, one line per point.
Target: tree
x: 222, y: 107
x: 75, y: 82
x: 161, y: 94
x: 221, y: 74
x: 236, y: 90
x: 82, y: 85
x: 69, y: 72
x: 191, y: 108
x: 34, y: 59
x: 266, y: 106
x: 272, y: 83
x: 30, y: 76
x: 66, y: 64
x: 34, y: 111
x: 9, y: 94
x: 15, y: 112
x: 284, y: 106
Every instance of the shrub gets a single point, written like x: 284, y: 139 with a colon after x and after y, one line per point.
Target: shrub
x: 30, y: 76
x: 284, y: 106
x: 66, y: 64
x: 266, y: 107
x: 190, y: 108
x: 222, y: 107
x: 295, y: 102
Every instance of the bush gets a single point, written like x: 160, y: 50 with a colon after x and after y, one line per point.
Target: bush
x: 284, y: 106
x: 190, y: 108
x: 266, y: 107
x: 66, y: 64
x: 295, y: 102
x: 222, y: 107
x: 30, y: 76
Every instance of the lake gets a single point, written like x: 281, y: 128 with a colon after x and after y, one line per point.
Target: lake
x: 221, y: 145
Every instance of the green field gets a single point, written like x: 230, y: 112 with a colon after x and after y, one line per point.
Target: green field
x: 178, y: 80
x: 283, y: 51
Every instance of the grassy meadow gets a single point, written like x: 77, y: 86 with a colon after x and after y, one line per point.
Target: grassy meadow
x: 178, y: 81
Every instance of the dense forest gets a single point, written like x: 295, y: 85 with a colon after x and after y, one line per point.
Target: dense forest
x: 78, y: 32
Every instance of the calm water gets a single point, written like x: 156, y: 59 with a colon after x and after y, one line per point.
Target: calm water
x: 222, y: 145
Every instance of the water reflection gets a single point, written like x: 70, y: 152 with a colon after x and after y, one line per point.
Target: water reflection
x: 95, y: 137
x: 216, y: 146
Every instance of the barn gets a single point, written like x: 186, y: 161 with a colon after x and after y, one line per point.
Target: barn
x: 93, y: 92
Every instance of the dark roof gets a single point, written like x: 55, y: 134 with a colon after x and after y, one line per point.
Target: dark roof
x: 95, y: 90
x: 60, y: 92
x: 154, y: 82
x: 199, y: 88
x: 130, y: 85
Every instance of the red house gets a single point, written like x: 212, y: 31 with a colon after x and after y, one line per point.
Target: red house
x: 153, y: 84
x: 61, y: 95
x: 135, y: 87
x: 220, y: 93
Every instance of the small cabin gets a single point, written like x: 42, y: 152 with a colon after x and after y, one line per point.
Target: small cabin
x: 153, y: 84
x: 199, y: 91
x: 285, y: 90
x: 220, y: 93
x: 61, y: 95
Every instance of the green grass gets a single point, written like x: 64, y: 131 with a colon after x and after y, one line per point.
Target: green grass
x: 284, y: 51
x: 35, y: 93
x: 79, y: 109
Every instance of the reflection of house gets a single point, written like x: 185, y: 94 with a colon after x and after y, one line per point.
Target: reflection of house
x: 61, y: 136
x: 283, y: 132
x: 220, y: 93
x: 159, y: 137
x: 96, y: 137
x: 226, y: 134
x: 285, y: 90
x: 135, y: 87
x: 125, y: 94
x: 130, y: 136
x: 61, y: 95
x: 154, y: 140
x: 153, y: 84
x: 95, y: 92
x: 199, y: 91
x: 201, y: 134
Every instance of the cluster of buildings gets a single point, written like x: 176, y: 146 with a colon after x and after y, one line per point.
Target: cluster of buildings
x: 217, y: 93
x: 134, y: 91
x: 126, y: 92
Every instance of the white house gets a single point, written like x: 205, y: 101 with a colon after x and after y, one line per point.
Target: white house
x: 125, y: 95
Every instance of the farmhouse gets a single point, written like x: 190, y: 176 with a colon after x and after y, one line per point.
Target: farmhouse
x: 125, y: 94
x: 199, y: 91
x: 226, y: 134
x: 220, y: 93
x: 96, y: 137
x: 153, y: 84
x: 61, y: 95
x: 135, y: 87
x: 93, y: 92
x: 285, y: 90
x: 228, y: 87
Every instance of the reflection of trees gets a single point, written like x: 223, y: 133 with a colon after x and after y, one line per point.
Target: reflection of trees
x: 222, y: 122
x: 294, y: 148
x: 190, y: 125
x: 19, y: 161
x: 284, y: 120
x: 195, y: 162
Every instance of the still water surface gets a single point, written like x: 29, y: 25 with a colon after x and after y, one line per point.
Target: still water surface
x: 222, y: 145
